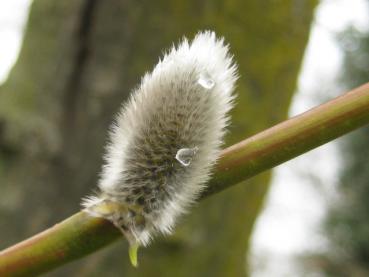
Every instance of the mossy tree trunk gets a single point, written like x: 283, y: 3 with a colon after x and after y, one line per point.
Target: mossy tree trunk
x: 79, y: 61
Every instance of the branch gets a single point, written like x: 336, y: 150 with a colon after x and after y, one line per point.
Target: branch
x: 81, y: 235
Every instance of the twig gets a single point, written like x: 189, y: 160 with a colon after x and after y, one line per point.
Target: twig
x: 81, y: 235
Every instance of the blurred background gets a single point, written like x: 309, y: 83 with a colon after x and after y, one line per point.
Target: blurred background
x: 65, y: 68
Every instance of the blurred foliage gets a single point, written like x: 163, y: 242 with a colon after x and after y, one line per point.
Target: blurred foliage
x: 77, y: 65
x: 347, y: 222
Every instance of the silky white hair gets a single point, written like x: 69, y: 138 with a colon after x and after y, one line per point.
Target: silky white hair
x: 167, y: 137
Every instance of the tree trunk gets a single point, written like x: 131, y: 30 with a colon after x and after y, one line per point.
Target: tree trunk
x: 79, y: 61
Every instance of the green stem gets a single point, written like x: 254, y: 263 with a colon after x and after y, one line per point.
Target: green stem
x: 81, y: 235
x: 66, y: 241
x: 291, y: 138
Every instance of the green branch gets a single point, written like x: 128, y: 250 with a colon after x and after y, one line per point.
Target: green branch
x: 81, y: 235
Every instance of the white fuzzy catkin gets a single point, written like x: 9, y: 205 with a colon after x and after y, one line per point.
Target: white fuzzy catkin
x: 166, y: 139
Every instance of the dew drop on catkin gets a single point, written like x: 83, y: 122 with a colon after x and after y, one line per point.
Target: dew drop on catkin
x: 165, y: 140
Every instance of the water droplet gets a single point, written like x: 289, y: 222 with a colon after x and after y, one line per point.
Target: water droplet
x: 185, y: 155
x: 206, y: 81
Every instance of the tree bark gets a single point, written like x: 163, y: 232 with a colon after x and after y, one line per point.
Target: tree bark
x: 79, y: 61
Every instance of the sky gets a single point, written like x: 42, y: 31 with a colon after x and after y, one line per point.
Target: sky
x: 13, y: 16
x: 301, y: 188
x: 296, y: 202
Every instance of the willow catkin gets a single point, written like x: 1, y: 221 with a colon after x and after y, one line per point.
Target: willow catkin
x: 165, y: 140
